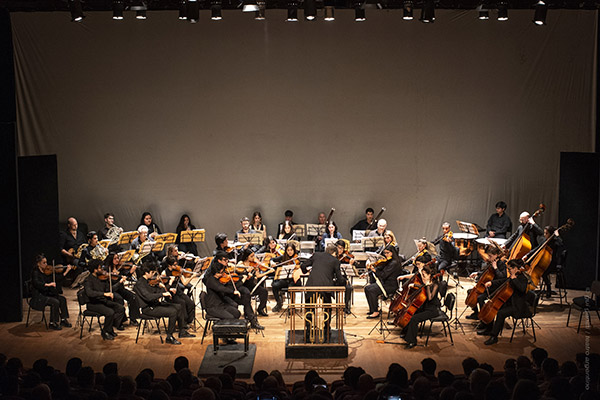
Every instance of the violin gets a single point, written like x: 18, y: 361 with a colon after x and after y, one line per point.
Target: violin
x: 346, y: 258
x: 158, y: 279
x: 180, y: 271
x: 51, y: 269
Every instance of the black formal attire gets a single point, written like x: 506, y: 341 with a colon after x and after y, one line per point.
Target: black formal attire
x: 113, y: 312
x: 501, y: 225
x: 181, y: 298
x: 388, y: 273
x: 429, y: 309
x: 534, y: 231
x: 244, y: 299
x: 348, y: 292
x: 42, y: 296
x: 186, y: 247
x: 516, y: 306
x: 260, y: 291
x: 361, y: 226
x: 68, y: 242
x: 279, y: 284
x: 150, y: 298
x: 85, y: 258
x: 325, y: 271
x: 281, y: 225
x: 557, y: 245
x: 219, y: 301
x: 121, y: 294
x: 230, y: 254
x: 447, y: 252
x: 500, y: 275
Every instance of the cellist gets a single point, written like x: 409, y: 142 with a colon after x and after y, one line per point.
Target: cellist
x: 516, y: 304
x: 499, y: 275
x: 429, y: 309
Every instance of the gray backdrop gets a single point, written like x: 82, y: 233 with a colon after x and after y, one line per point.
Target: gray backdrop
x: 219, y: 119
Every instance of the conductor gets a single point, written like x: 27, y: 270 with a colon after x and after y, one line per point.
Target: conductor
x: 325, y: 272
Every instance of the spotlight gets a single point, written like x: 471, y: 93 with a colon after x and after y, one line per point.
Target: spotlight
x: 117, y: 10
x: 407, y: 10
x: 215, y: 10
x: 502, y: 11
x: 292, y: 11
x: 183, y: 10
x: 193, y: 12
x: 250, y: 6
x: 428, y: 11
x: 76, y: 11
x: 539, y: 18
x: 484, y: 13
x: 310, y: 10
x: 359, y: 11
x: 260, y: 14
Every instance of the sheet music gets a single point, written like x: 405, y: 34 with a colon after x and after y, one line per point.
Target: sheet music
x: 357, y: 235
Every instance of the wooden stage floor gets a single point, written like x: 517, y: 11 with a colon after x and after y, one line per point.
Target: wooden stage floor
x: 561, y: 342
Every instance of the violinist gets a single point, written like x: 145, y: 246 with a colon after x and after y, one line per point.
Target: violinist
x: 429, y: 309
x: 287, y: 232
x: 557, y: 245
x: 289, y: 218
x: 172, y: 251
x: 119, y: 274
x: 330, y: 233
x: 499, y: 276
x: 223, y: 295
x: 271, y: 246
x: 447, y: 251
x: 254, y: 272
x: 516, y: 306
x: 389, y: 239
x: 345, y: 258
x: 47, y: 292
x: 258, y: 226
x: 101, y: 299
x: 526, y: 225
x: 176, y: 285
x: 223, y: 245
x: 386, y: 273
x: 148, y: 222
x: 499, y: 223
x: 185, y: 224
x: 423, y: 256
x: 152, y: 294
x: 290, y: 256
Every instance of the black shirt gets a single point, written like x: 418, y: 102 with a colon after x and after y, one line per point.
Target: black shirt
x: 361, y: 226
x: 532, y: 230
x: 67, y: 241
x: 501, y: 225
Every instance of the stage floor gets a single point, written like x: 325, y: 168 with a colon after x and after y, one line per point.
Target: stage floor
x: 562, y: 343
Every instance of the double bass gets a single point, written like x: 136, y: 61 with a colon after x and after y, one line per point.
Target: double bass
x: 522, y: 244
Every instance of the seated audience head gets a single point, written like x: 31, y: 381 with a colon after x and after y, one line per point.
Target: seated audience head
x: 429, y: 366
x: 468, y: 365
x: 180, y: 363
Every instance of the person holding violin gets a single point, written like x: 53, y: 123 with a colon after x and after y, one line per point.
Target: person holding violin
x: 272, y: 247
x: 498, y: 268
x: 254, y: 270
x: 289, y: 218
x: 345, y: 258
x: 386, y: 275
x: 289, y: 257
x: 429, y: 309
x: 499, y: 223
x: 176, y: 285
x: 287, y: 232
x: 223, y: 294
x: 389, y: 239
x: 185, y: 224
x: 119, y: 274
x: 526, y: 225
x: 516, y: 304
x: 47, y: 292
x: 101, y: 299
x: 447, y: 251
x: 223, y: 245
x: 148, y: 222
x: 557, y: 245
x: 330, y: 233
x: 258, y: 226
x: 152, y: 295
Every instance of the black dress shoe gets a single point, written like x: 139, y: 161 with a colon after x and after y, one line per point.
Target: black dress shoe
x: 113, y: 333
x: 65, y: 322
x: 491, y: 340
x: 411, y: 345
x: 172, y: 340
x: 263, y: 313
x: 277, y: 308
x: 54, y: 326
x: 347, y: 311
x: 472, y: 316
x: 120, y: 327
x: 484, y: 332
x: 133, y: 322
x: 372, y: 316
x: 107, y: 336
x: 255, y: 325
x: 185, y: 334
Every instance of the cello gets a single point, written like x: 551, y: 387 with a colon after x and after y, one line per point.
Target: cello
x: 522, y: 244
x: 500, y: 296
x: 414, y: 302
x: 487, y: 276
x: 542, y: 257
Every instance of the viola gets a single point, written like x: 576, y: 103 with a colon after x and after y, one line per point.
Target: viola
x: 522, y: 244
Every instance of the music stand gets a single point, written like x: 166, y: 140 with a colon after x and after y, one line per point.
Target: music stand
x: 315, y: 229
x: 285, y: 272
x: 125, y: 255
x: 372, y: 242
x: 167, y: 238
x: 196, y: 235
x: 127, y: 237
x: 349, y: 272
x: 299, y: 230
x: 252, y: 238
x: 467, y: 227
x: 104, y: 243
x: 456, y: 319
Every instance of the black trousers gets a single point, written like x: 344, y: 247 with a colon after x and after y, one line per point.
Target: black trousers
x: 413, y: 325
x: 224, y: 311
x: 132, y: 302
x: 261, y: 291
x: 282, y: 284
x: 504, y: 312
x: 173, y: 311
x: 444, y: 264
x: 372, y: 292
x: 348, y: 295
x: 113, y: 312
x: 187, y: 305
x: 58, y: 308
x: 245, y: 300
